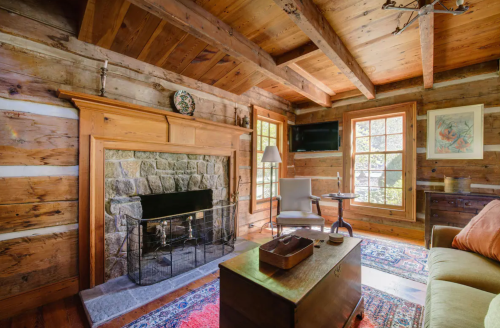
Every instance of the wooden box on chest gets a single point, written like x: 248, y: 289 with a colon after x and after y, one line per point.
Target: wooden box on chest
x: 452, y: 209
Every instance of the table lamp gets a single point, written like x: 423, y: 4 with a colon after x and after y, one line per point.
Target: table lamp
x: 271, y: 155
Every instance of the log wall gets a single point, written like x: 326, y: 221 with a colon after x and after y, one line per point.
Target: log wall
x: 39, y: 152
x: 465, y: 89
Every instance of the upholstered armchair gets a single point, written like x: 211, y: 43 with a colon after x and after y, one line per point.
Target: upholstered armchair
x: 295, y: 205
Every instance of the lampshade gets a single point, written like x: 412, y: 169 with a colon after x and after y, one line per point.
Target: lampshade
x: 271, y: 155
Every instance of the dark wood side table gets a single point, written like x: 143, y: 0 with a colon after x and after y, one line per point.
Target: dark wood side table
x: 452, y: 209
x: 340, y: 222
x: 323, y: 291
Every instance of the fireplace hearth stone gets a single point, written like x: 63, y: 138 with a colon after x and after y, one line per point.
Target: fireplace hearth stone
x: 121, y: 295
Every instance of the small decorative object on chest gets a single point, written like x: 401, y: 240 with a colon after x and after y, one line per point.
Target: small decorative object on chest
x: 460, y: 185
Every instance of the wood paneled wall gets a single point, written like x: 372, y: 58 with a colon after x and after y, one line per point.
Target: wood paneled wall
x: 485, y: 173
x: 39, y: 160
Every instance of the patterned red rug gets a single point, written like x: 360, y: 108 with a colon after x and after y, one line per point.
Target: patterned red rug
x: 200, y: 309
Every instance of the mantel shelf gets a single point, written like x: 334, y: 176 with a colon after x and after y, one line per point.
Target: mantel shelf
x: 72, y: 96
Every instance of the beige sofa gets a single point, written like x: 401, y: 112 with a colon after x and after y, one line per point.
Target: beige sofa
x: 461, y: 284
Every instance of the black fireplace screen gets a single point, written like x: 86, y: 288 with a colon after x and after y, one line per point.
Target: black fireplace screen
x: 163, y: 247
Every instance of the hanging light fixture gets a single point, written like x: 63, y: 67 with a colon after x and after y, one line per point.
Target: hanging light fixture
x: 413, y: 7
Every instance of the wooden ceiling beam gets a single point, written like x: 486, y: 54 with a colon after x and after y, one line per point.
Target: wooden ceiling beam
x: 190, y: 17
x: 306, y: 15
x: 427, y: 48
x: 307, y: 50
x: 297, y: 68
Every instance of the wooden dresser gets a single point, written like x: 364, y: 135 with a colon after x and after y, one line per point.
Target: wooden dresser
x: 452, y: 209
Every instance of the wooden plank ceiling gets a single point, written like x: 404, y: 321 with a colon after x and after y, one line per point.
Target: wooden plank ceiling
x: 364, y: 29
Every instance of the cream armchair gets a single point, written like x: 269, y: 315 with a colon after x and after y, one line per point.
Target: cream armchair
x: 295, y: 205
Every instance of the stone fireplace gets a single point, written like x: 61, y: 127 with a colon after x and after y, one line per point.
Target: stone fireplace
x: 131, y: 174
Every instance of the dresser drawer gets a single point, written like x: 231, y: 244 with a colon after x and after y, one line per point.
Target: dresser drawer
x: 458, y: 203
x: 455, y: 219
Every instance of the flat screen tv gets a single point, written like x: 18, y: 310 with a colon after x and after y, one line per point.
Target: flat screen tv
x: 314, y: 137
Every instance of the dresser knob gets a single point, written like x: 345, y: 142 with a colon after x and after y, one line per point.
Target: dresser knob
x: 468, y: 204
x: 451, y: 202
x: 435, y: 201
x: 435, y: 215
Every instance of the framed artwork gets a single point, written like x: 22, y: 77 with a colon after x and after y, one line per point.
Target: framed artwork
x: 455, y: 133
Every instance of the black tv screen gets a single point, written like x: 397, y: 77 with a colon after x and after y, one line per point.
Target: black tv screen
x: 314, y: 137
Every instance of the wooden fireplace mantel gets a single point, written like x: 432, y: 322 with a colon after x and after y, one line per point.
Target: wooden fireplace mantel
x: 111, y: 124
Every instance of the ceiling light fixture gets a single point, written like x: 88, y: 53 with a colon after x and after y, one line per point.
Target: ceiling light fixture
x: 424, y: 10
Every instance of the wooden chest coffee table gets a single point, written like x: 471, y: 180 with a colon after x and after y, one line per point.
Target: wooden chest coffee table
x: 322, y: 291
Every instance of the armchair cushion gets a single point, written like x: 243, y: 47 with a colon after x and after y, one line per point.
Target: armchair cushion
x: 298, y: 218
x: 295, y: 195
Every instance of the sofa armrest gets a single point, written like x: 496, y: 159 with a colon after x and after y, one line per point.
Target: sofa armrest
x: 442, y: 236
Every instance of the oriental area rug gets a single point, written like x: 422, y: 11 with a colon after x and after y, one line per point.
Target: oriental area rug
x: 200, y: 309
x: 400, y: 259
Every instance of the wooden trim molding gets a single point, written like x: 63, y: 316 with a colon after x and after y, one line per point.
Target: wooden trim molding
x: 409, y: 162
x: 20, y: 303
x: 282, y: 122
x: 112, y: 124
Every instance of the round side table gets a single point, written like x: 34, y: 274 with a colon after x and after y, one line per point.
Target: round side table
x: 340, y: 222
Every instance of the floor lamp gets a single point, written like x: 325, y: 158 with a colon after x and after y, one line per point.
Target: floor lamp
x: 271, y: 155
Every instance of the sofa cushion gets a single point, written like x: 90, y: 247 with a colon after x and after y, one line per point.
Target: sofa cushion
x: 451, y: 305
x: 299, y: 217
x: 464, y: 268
x: 482, y: 234
x: 492, y: 319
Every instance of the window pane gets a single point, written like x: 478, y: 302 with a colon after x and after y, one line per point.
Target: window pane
x: 394, y: 196
x: 259, y: 160
x: 275, y: 174
x: 265, y: 142
x: 394, y: 179
x: 267, y: 175
x: 395, y: 125
x: 377, y: 161
x: 395, y: 161
x: 260, y: 176
x: 363, y: 194
x: 362, y: 129
x: 361, y: 178
x: 267, y: 165
x: 361, y: 162
x: 259, y: 143
x: 378, y: 127
x: 362, y: 144
x: 275, y: 189
x: 265, y: 128
x: 272, y: 130
x: 267, y: 190
x: 259, y: 192
x: 377, y: 195
x: 259, y: 127
x: 272, y: 142
x: 378, y: 143
x: 395, y: 142
x: 377, y: 179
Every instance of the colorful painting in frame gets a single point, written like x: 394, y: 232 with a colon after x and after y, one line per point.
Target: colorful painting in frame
x: 455, y: 133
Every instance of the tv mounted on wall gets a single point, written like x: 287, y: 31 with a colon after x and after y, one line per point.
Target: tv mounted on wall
x: 314, y: 137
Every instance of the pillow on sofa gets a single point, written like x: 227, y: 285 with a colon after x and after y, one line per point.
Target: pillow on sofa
x: 482, y: 234
x: 492, y: 319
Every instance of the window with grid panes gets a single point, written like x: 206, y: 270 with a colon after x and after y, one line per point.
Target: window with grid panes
x: 267, y: 135
x: 378, y: 161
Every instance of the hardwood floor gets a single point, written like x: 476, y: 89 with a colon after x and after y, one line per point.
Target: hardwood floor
x: 69, y: 312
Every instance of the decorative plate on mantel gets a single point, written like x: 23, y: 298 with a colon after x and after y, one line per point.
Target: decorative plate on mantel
x: 184, y: 102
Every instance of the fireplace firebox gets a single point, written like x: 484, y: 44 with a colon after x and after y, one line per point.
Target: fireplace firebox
x: 177, y: 235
